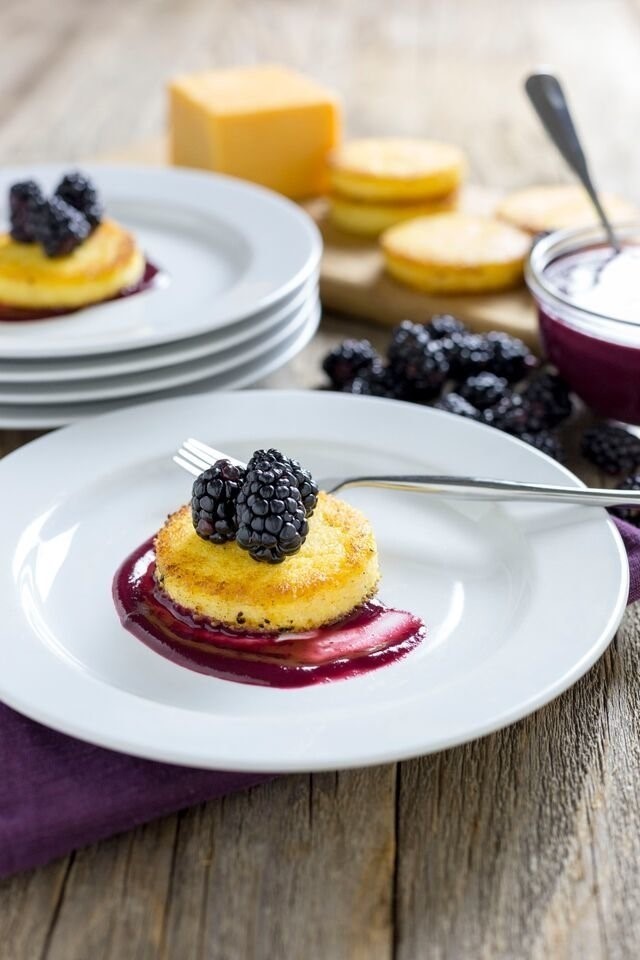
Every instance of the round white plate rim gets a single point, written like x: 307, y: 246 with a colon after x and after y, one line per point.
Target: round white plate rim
x: 208, y: 753
x: 164, y: 378
x: 239, y: 380
x: 165, y: 355
x: 145, y: 177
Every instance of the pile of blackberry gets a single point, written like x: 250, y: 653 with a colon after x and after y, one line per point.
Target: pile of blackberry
x: 491, y: 378
x: 265, y: 508
x: 59, y: 223
x: 484, y: 377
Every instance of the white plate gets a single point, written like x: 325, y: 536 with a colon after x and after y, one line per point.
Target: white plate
x: 519, y: 599
x: 34, y: 417
x: 151, y: 381
x: 155, y: 358
x: 229, y: 248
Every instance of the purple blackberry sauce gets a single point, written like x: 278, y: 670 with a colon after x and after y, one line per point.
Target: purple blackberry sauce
x: 371, y: 637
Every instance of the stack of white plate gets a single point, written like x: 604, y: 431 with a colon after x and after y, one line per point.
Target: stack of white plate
x: 237, y: 298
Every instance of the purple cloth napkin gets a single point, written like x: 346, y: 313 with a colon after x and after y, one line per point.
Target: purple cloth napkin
x: 631, y: 539
x: 58, y: 793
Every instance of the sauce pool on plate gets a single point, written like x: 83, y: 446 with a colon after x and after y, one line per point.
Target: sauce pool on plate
x: 372, y: 636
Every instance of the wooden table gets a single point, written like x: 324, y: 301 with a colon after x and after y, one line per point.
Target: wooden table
x: 524, y: 844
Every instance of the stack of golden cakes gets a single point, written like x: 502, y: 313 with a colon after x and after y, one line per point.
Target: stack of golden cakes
x: 379, y: 182
x: 405, y: 191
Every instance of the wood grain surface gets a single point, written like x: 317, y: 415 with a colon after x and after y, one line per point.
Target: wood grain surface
x: 525, y: 844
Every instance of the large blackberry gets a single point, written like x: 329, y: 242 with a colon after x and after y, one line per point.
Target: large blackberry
x: 419, y: 365
x: 79, y: 192
x: 270, y: 510
x: 630, y: 513
x: 510, y: 357
x: 512, y: 415
x: 213, y: 501
x: 549, y: 399
x: 408, y: 337
x: 25, y: 203
x: 468, y: 354
x: 376, y: 381
x: 613, y: 449
x: 60, y: 228
x: 349, y: 359
x: 545, y: 441
x: 306, y: 484
x: 454, y: 403
x: 484, y: 390
x: 444, y: 325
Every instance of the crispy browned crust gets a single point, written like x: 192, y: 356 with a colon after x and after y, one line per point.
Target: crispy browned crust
x: 335, y: 570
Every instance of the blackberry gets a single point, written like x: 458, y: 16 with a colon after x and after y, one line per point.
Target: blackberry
x: 512, y: 415
x: 348, y: 360
x: 25, y: 203
x: 80, y: 193
x: 444, y: 325
x: 454, y: 403
x: 306, y: 484
x: 613, y: 449
x: 213, y: 501
x: 377, y: 381
x: 60, y: 228
x: 631, y: 512
x: 484, y: 390
x: 406, y: 338
x: 418, y: 364
x: 510, y: 357
x: 270, y: 510
x: 549, y: 399
x: 468, y: 354
x: 545, y: 441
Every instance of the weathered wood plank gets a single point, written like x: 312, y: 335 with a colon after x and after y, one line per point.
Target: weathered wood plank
x: 114, y: 899
x: 297, y: 868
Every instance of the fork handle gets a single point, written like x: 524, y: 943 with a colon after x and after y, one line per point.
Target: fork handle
x: 473, y: 488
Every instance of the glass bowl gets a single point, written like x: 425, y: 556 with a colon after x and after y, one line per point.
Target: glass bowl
x: 591, y: 330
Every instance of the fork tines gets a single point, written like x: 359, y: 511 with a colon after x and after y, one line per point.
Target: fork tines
x: 196, y: 456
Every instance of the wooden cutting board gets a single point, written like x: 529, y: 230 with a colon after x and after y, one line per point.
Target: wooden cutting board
x: 353, y: 280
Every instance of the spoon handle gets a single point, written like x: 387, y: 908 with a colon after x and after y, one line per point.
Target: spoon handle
x: 550, y: 103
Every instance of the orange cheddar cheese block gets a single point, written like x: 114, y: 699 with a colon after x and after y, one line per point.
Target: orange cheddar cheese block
x: 267, y: 124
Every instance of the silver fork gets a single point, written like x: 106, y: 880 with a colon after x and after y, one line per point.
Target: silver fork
x: 195, y: 456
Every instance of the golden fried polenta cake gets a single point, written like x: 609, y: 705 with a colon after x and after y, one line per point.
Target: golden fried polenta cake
x: 108, y: 261
x: 368, y: 219
x: 394, y: 168
x: 335, y: 571
x: 456, y: 253
x: 555, y: 207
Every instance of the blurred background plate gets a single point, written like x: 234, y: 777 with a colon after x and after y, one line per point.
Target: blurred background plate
x: 247, y: 374
x: 154, y: 358
x: 138, y: 384
x: 228, y: 248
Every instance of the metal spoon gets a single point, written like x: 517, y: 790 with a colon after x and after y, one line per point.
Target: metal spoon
x: 549, y: 101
